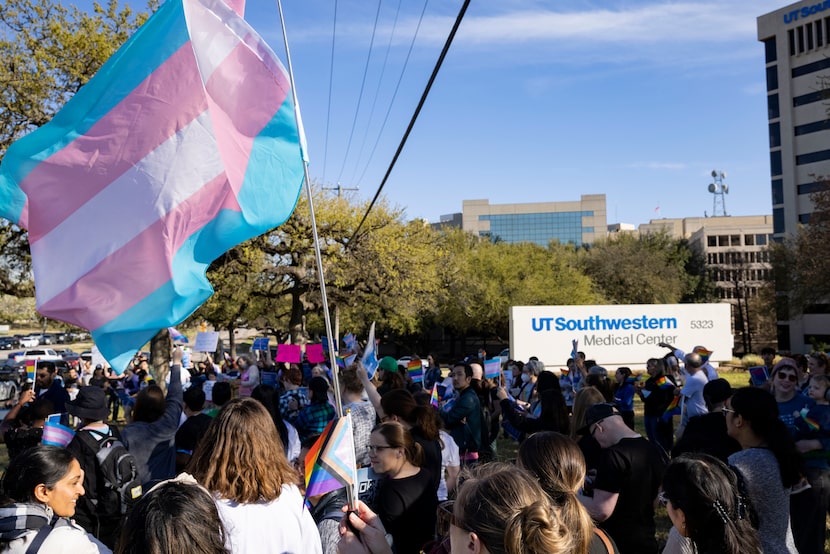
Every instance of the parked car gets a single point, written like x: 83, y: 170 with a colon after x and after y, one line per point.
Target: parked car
x: 9, y: 343
x: 38, y: 354
x: 30, y: 341
x: 404, y: 361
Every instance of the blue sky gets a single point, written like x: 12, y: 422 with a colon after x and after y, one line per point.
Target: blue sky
x: 537, y: 101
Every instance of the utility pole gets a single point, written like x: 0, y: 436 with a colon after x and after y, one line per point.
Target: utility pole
x: 340, y: 189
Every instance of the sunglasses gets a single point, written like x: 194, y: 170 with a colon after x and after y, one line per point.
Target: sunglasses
x: 662, y: 499
x: 790, y: 377
x: 374, y: 448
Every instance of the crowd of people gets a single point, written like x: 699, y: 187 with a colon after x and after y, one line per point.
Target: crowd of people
x: 216, y: 462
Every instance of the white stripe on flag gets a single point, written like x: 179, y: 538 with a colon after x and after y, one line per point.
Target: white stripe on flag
x: 211, y: 38
x: 127, y: 206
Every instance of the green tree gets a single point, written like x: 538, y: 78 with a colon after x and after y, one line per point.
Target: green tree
x: 482, y: 280
x: 648, y: 269
x: 47, y: 52
x: 800, y: 267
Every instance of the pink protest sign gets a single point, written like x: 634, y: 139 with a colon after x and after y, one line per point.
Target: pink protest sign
x: 314, y: 353
x: 289, y: 353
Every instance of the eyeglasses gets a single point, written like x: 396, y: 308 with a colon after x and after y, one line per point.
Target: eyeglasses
x: 594, y: 430
x: 728, y: 410
x: 662, y: 499
x: 789, y: 376
x: 374, y: 448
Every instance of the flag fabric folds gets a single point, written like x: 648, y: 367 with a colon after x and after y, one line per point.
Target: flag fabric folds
x: 56, y: 434
x: 176, y: 336
x: 492, y: 368
x: 672, y: 409
x: 330, y: 463
x: 183, y: 145
x: 433, y: 397
x: 370, y: 354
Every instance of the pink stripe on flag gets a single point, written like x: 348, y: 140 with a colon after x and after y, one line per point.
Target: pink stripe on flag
x: 131, y: 273
x: 165, y: 102
x: 236, y: 90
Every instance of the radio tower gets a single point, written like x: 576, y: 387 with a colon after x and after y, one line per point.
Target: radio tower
x: 719, y: 189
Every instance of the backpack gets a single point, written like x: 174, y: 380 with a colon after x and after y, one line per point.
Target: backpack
x: 118, y: 485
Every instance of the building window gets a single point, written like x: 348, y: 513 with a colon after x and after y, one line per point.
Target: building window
x: 778, y: 220
x: 813, y: 127
x: 799, y: 34
x: 749, y: 240
x: 775, y: 164
x: 769, y: 50
x: 808, y: 98
x: 734, y: 240
x: 711, y: 240
x: 773, y: 111
x: 723, y: 240
x: 804, y: 219
x: 812, y: 157
x: 819, y: 34
x: 772, y: 78
x: 777, y: 191
x: 774, y: 135
x: 810, y: 188
x: 809, y: 29
x: 809, y: 68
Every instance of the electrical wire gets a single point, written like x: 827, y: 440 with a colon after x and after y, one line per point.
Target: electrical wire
x: 331, y: 84
x: 421, y: 102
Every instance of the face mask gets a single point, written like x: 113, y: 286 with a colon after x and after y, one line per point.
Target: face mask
x: 525, y: 378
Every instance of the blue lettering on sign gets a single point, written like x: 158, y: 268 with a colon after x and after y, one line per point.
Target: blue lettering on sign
x: 598, y: 323
x: 806, y: 11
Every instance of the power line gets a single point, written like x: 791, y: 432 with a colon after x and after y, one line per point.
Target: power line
x: 414, y: 115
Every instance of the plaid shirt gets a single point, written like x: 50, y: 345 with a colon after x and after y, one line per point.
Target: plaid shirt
x: 301, y: 395
x: 313, y: 419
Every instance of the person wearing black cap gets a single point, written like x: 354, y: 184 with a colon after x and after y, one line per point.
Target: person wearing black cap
x: 90, y: 406
x: 707, y: 433
x: 629, y: 474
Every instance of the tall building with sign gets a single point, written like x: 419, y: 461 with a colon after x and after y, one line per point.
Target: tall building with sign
x: 797, y: 61
x: 579, y: 222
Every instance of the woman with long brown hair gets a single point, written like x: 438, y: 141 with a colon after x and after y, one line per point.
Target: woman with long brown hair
x: 241, y: 462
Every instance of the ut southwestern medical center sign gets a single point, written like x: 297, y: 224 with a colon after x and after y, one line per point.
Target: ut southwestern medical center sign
x: 618, y: 335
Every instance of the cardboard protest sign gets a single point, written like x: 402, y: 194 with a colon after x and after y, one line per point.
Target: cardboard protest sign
x: 289, y: 353
x: 206, y: 341
x: 314, y: 353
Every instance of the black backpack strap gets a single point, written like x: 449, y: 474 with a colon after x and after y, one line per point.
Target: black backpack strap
x: 37, y: 542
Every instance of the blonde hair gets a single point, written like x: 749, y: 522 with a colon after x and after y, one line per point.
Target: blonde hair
x: 558, y: 464
x: 509, y: 512
x: 584, y: 399
x: 241, y: 457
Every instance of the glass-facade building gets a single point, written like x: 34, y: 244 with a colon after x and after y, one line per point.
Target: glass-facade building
x: 578, y: 222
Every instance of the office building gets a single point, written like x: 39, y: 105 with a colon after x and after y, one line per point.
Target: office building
x: 579, y: 222
x: 737, y: 264
x: 797, y: 62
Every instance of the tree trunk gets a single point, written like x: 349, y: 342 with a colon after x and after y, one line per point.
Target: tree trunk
x: 160, y: 356
x: 295, y: 324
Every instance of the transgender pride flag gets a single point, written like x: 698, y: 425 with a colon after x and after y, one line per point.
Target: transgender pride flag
x: 181, y: 147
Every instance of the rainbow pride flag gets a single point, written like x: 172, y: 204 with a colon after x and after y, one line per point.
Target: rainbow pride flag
x: 672, y: 409
x: 415, y: 370
x: 664, y: 383
x: 703, y: 353
x: 433, y: 397
x: 811, y: 423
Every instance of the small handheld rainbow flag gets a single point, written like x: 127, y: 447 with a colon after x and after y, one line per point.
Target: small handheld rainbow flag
x: 672, y: 409
x: 664, y: 383
x: 433, y: 397
x: 415, y: 370
x: 811, y: 423
x: 345, y: 361
x: 703, y: 353
x: 330, y: 464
